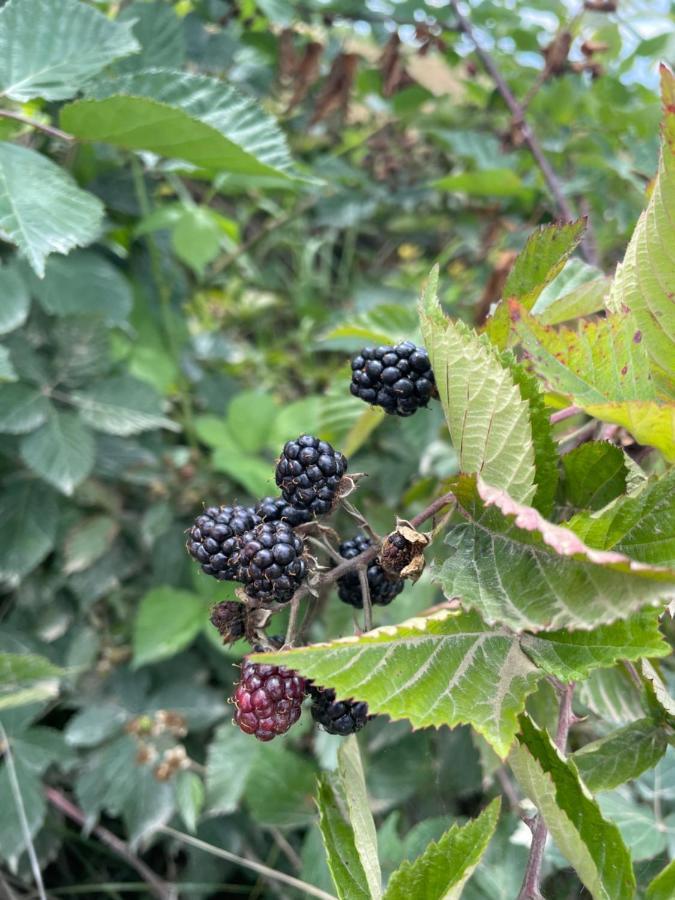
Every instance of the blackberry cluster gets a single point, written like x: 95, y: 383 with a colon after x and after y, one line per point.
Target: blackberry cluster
x: 383, y: 589
x: 309, y: 474
x: 399, y: 379
x: 276, y: 509
x: 215, y: 539
x: 268, y: 699
x: 271, y: 562
x: 343, y: 717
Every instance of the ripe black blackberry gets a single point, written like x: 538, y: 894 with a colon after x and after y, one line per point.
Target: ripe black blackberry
x: 268, y: 699
x: 309, y: 473
x: 276, y: 509
x: 383, y: 589
x: 214, y: 539
x: 343, y: 717
x: 399, y: 379
x: 271, y: 563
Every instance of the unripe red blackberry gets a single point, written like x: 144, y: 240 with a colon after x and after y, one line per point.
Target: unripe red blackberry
x: 271, y: 562
x: 214, y: 539
x: 383, y: 589
x: 276, y: 509
x: 309, y: 474
x: 268, y: 699
x: 399, y: 379
x: 343, y: 717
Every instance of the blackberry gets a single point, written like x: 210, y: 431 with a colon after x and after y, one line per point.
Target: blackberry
x: 343, y: 717
x: 399, y: 379
x: 383, y: 589
x: 309, y: 473
x: 268, y: 699
x: 276, y: 509
x: 214, y: 539
x: 271, y: 562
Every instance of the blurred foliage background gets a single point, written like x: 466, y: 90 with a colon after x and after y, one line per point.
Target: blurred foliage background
x: 211, y: 322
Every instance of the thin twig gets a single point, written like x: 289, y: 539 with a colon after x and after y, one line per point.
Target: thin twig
x: 365, y: 596
x: 303, y: 886
x: 432, y: 509
x: 156, y: 885
x: 566, y: 413
x: 551, y: 179
x: 530, y: 889
x: 325, y: 547
x: 39, y: 126
x: 294, y: 616
x: 286, y: 848
x: 360, y: 520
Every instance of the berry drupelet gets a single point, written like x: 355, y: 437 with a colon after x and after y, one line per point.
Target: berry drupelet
x: 399, y: 379
x: 276, y: 509
x: 383, y: 589
x: 343, y: 717
x: 309, y: 474
x: 214, y: 539
x: 268, y: 699
x: 271, y: 563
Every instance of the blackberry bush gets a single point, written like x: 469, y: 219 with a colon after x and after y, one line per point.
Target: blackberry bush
x: 271, y: 562
x: 383, y: 589
x: 268, y: 699
x: 399, y: 379
x: 309, y: 474
x: 343, y: 717
x: 215, y: 539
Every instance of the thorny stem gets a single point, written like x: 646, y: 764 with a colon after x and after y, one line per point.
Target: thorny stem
x: 39, y: 126
x: 518, y: 114
x: 530, y: 889
x: 365, y: 596
x: 156, y: 885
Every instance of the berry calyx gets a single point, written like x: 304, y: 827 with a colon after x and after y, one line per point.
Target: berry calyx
x: 229, y: 618
x: 343, y: 717
x: 268, y: 699
x: 309, y: 474
x: 271, y: 562
x: 382, y: 587
x: 397, y: 378
x: 214, y: 539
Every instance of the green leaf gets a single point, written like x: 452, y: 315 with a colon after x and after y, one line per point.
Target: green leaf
x: 613, y: 696
x: 338, y: 840
x: 591, y: 844
x: 353, y: 784
x: 542, y: 258
x: 166, y: 622
x: 62, y: 45
x: 249, y: 418
x: 22, y: 408
x: 28, y: 787
x: 84, y: 283
x: 513, y: 566
x: 87, y: 541
x: 196, y: 238
x: 280, y: 787
x: 148, y: 805
x: 621, y: 756
x: 15, y: 299
x: 643, y: 282
x: 228, y: 762
x: 122, y: 405
x: 194, y: 118
x: 663, y: 886
x: 7, y: 372
x: 584, y: 300
x: 644, y: 835
x: 484, y: 183
x: 159, y: 31
x: 660, y: 702
x: 384, y: 324
x: 602, y: 367
x: 93, y: 725
x: 25, y: 672
x: 189, y: 798
x: 256, y: 475
x: 42, y: 210
x: 61, y: 451
x: 594, y: 475
x: 441, y: 872
x: 28, y: 523
x: 488, y: 419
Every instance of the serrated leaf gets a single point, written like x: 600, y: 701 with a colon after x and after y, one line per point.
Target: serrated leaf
x: 42, y: 210
x: 644, y: 835
x: 159, y: 32
x: 22, y: 408
x: 513, y: 566
x: 62, y: 45
x: 441, y: 872
x: 642, y: 286
x: 591, y: 844
x: 661, y: 703
x: 167, y: 620
x: 542, y: 258
x: 353, y: 783
x: 122, y: 405
x: 84, y: 283
x: 603, y: 368
x: 194, y: 118
x: 14, y: 299
x: 61, y: 451
x: 384, y: 324
x: 25, y: 677
x: 249, y: 417
x: 338, y: 840
x: 149, y: 805
x: 621, y: 756
x: 487, y: 418
x: 584, y: 300
x: 228, y: 762
x: 613, y: 696
x: 280, y: 787
x: 189, y: 798
x: 28, y: 523
x: 87, y: 541
x: 662, y: 887
x: 594, y: 474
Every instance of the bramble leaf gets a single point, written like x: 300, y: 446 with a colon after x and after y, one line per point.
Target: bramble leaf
x: 338, y: 841
x: 622, y: 755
